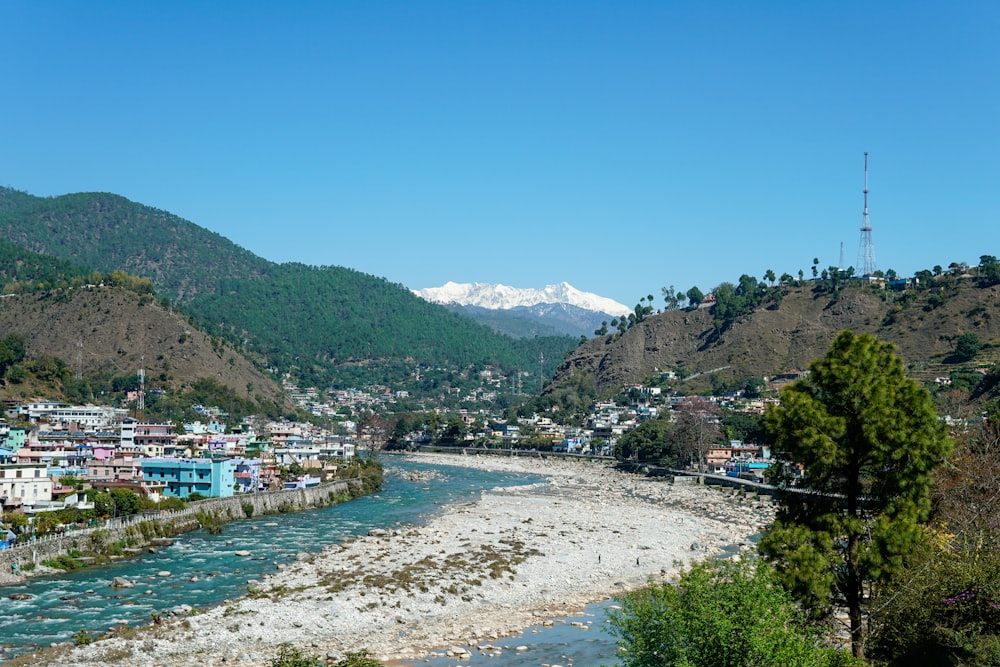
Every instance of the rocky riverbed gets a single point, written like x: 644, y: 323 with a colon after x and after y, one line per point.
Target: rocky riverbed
x: 479, y: 571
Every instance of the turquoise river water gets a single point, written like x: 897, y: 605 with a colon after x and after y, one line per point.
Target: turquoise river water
x: 62, y: 605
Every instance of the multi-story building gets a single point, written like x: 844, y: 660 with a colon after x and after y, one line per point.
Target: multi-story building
x: 24, y: 484
x: 247, y: 475
x: 115, y: 469
x: 146, y: 439
x: 212, y: 478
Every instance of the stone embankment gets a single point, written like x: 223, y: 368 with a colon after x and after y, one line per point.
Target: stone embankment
x: 142, y: 529
x: 517, y: 557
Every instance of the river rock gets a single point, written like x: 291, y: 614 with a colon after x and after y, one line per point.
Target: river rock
x: 241, y: 552
x: 163, y: 573
x: 121, y: 582
x: 19, y: 596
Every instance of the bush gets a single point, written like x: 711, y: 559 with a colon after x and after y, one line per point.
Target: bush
x: 291, y: 656
x: 720, y: 614
x: 360, y: 659
x: 83, y: 637
x: 946, y: 609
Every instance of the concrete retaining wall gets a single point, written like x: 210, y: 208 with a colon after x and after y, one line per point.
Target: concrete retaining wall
x: 226, y: 509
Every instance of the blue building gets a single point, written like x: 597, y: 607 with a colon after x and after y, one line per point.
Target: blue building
x: 212, y: 478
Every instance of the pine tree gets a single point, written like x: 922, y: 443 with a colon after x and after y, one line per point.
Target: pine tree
x: 867, y: 438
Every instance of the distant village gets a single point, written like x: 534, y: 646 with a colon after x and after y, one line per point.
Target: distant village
x: 52, y: 452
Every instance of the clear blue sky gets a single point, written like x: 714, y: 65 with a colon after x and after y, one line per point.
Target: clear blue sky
x: 618, y: 146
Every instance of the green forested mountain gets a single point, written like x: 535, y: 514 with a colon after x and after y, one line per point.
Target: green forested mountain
x: 21, y: 267
x: 327, y: 324
x: 109, y: 233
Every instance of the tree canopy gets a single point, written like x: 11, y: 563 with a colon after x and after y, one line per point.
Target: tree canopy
x: 868, y: 439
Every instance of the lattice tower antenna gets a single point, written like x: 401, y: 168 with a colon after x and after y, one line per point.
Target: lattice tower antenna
x: 866, y: 250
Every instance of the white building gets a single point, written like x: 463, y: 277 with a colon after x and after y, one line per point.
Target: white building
x: 24, y: 484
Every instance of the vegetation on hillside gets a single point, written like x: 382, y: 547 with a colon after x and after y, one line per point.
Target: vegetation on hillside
x: 327, y: 325
x: 108, y: 232
x: 338, y: 326
x: 757, y: 329
x: 23, y: 272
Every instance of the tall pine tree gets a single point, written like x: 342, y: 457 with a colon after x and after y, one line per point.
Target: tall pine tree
x: 867, y: 438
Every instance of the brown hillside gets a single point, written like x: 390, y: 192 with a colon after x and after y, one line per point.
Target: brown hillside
x: 115, y: 331
x: 790, y: 336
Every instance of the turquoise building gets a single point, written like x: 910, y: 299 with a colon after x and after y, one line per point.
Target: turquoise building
x: 212, y: 478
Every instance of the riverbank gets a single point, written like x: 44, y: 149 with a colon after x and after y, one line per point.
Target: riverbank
x: 477, y: 572
x: 123, y: 537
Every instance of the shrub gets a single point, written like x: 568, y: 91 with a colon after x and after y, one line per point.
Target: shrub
x: 359, y: 659
x: 291, y: 656
x: 720, y: 614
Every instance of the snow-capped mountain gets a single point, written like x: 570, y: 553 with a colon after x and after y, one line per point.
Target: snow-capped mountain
x: 502, y: 297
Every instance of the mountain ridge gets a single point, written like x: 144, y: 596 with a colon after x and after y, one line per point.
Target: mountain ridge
x: 329, y: 326
x: 924, y: 325
x: 497, y: 296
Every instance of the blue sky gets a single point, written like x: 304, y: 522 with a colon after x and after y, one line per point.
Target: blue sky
x: 618, y: 146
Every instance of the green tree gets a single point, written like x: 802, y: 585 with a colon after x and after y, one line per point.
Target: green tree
x: 989, y: 269
x: 671, y: 297
x: 753, y: 387
x: 650, y: 441
x: 769, y: 277
x: 126, y: 501
x: 104, y: 504
x: 868, y: 440
x: 720, y: 614
x: 695, y: 296
x: 967, y: 346
x: 11, y: 352
x: 455, y: 430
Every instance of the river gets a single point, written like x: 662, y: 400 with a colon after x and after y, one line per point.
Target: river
x: 205, y: 571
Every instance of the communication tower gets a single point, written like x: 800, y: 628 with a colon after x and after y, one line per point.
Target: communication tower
x: 866, y: 250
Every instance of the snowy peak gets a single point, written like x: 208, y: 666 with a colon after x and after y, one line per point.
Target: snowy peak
x: 503, y: 297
